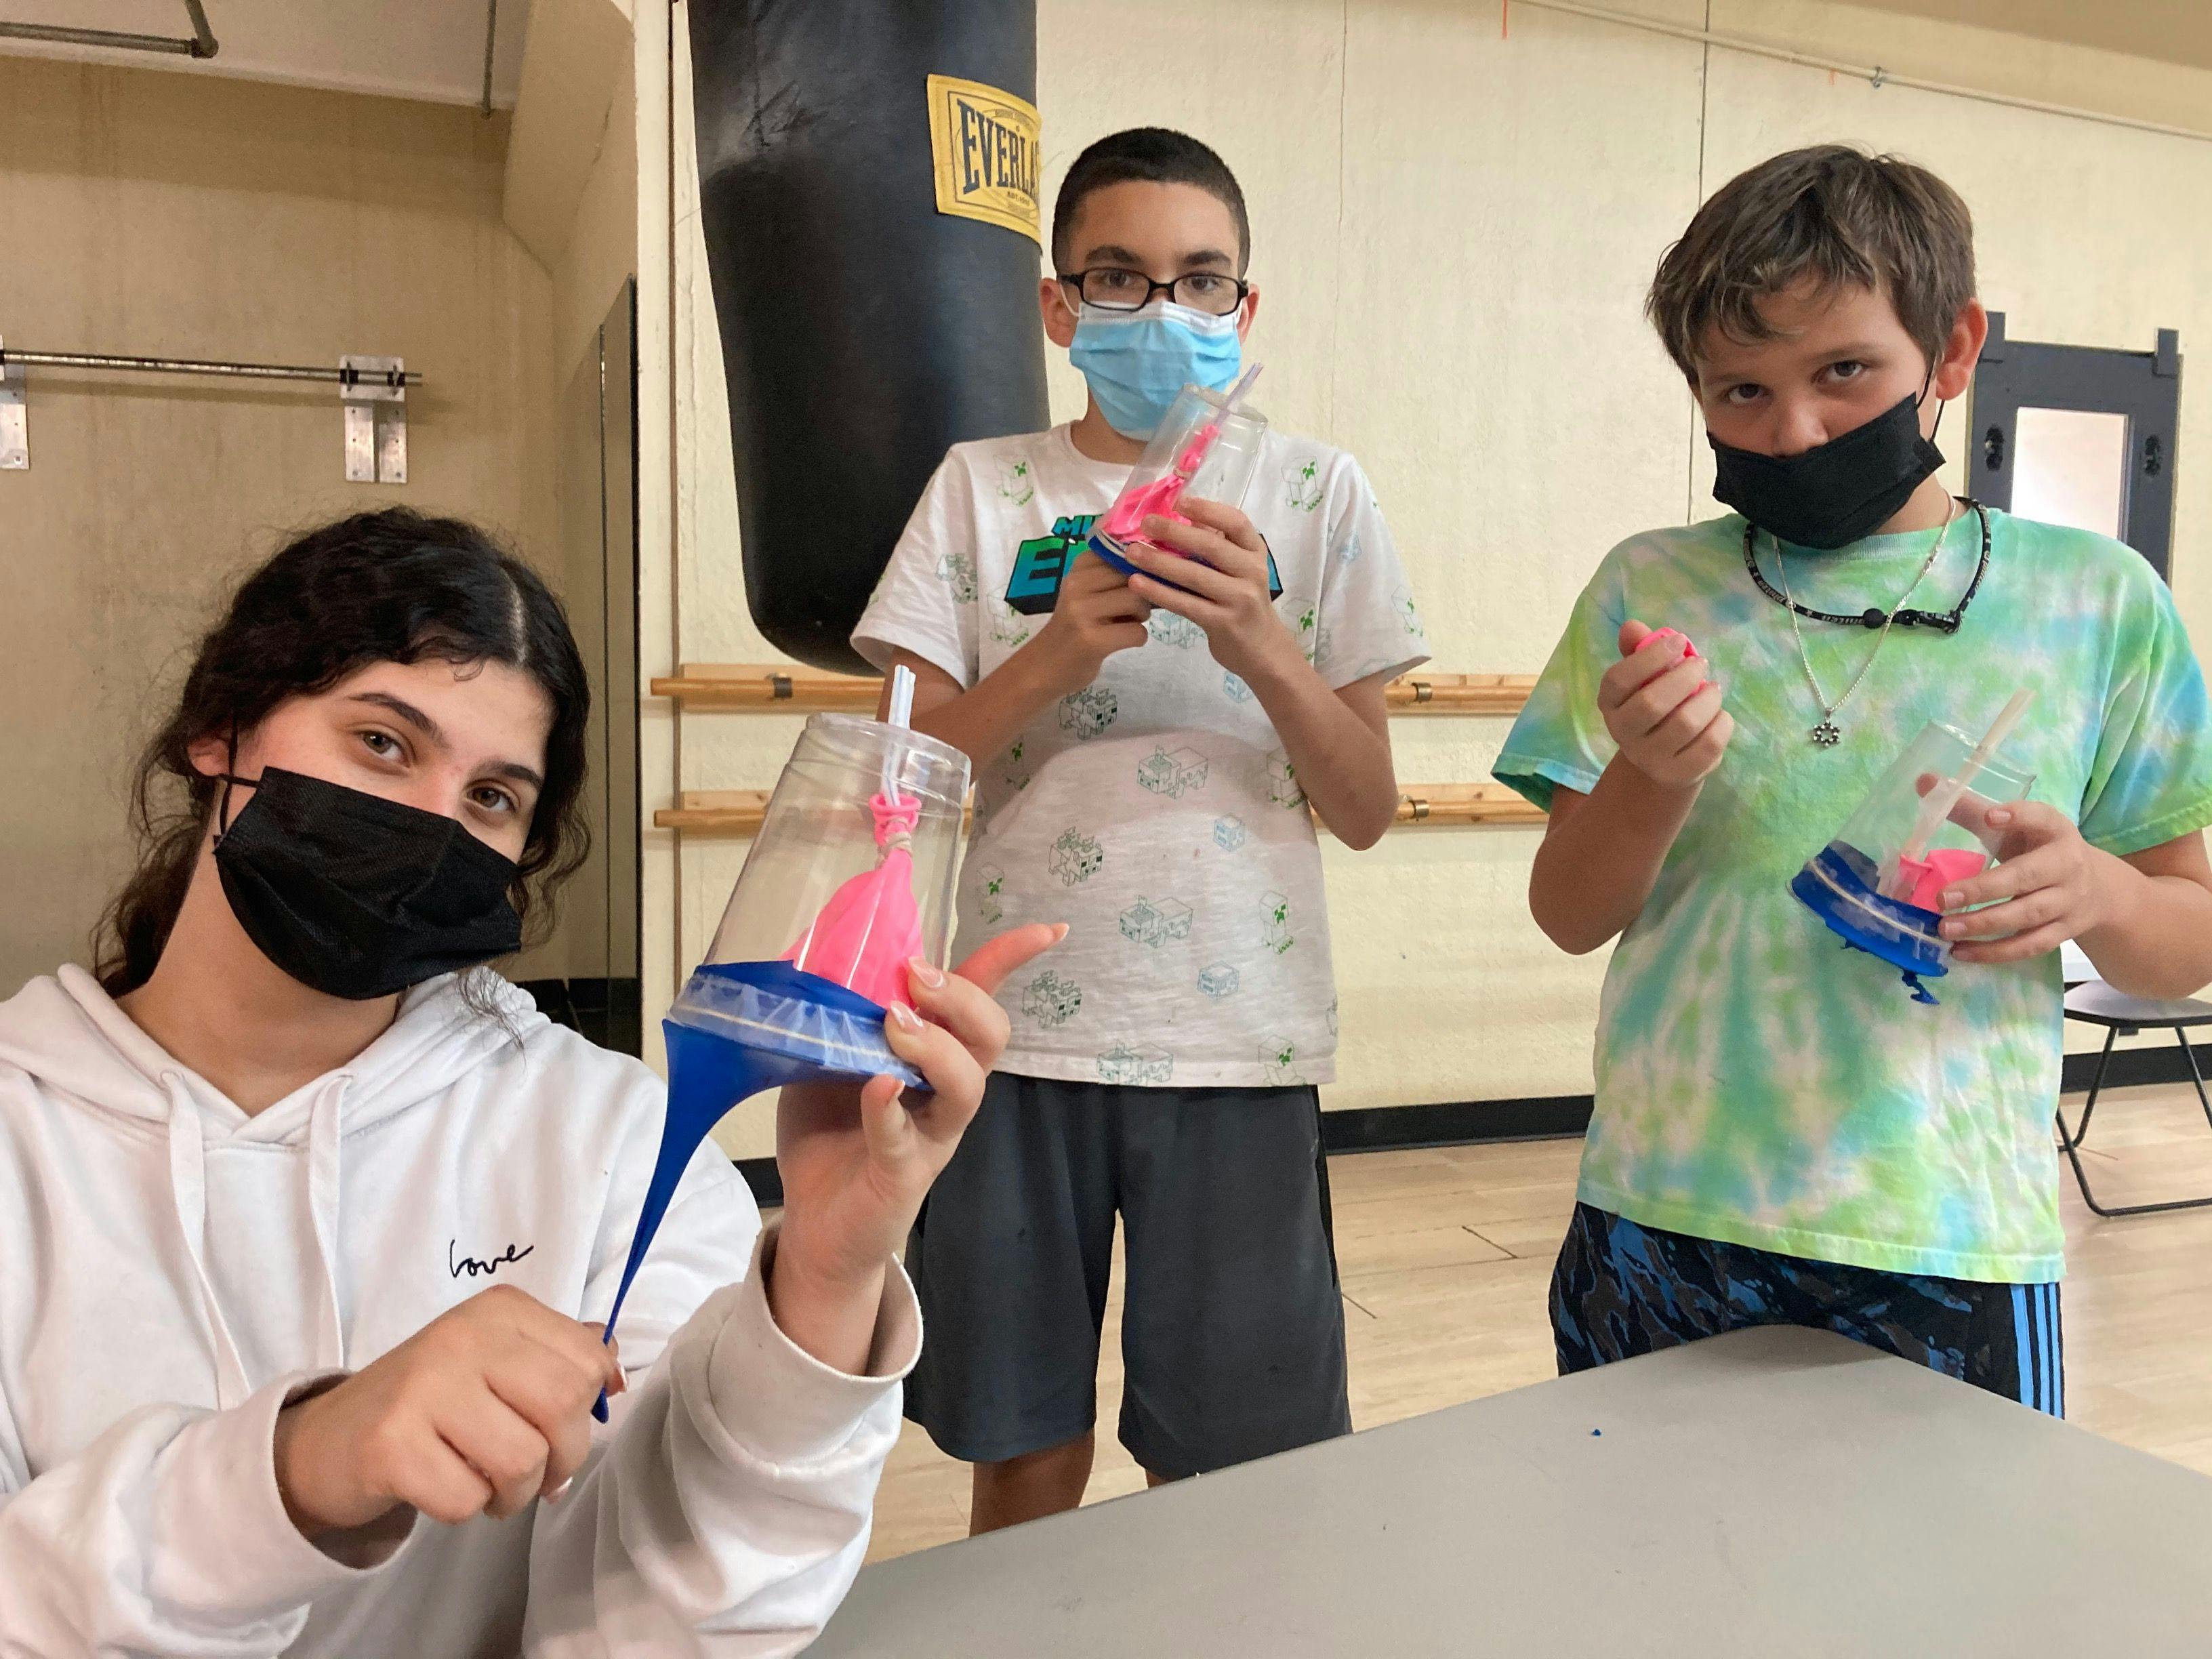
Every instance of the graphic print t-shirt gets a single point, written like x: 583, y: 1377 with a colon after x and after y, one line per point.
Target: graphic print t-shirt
x: 1155, y: 811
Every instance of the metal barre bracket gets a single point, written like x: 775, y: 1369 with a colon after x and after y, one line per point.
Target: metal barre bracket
x: 14, y: 419
x: 373, y: 392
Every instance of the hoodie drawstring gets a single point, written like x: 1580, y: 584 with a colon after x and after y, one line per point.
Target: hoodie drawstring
x: 324, y: 1136
x: 188, y: 1190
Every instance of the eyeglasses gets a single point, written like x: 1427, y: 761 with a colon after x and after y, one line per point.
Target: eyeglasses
x: 1116, y: 287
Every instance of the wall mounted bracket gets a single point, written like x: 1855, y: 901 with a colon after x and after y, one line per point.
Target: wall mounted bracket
x: 373, y: 391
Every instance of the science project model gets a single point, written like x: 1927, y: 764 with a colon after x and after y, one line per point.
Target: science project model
x: 1879, y: 885
x: 1208, y: 447
x: 850, y: 878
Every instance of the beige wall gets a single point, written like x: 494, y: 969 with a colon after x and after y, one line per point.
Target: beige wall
x: 597, y: 252
x: 1452, y: 232
x: 158, y: 212
x: 601, y: 248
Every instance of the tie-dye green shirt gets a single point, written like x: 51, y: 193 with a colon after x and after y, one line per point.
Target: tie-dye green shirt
x: 1757, y: 1083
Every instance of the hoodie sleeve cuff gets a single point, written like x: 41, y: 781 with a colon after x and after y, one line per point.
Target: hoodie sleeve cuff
x: 226, y: 1464
x: 779, y: 1402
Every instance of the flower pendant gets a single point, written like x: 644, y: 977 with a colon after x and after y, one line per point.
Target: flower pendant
x: 1827, y: 735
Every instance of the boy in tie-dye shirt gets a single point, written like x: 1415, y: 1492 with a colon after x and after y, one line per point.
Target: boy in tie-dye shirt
x: 1781, y: 1134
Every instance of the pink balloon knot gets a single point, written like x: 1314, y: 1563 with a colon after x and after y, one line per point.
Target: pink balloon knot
x: 894, y: 820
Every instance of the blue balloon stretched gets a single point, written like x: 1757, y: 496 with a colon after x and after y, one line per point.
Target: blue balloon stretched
x: 739, y: 1028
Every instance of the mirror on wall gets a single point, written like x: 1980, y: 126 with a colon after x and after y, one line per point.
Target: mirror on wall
x: 2080, y: 435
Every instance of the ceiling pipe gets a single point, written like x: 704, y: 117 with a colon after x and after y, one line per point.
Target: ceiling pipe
x: 491, y: 40
x: 201, y: 42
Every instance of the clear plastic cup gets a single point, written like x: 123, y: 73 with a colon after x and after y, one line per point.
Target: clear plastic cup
x: 1196, y: 451
x: 1878, y: 885
x: 849, y: 879
x: 820, y: 832
x: 851, y: 875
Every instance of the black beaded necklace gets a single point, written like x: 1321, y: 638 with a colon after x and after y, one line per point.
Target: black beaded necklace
x: 1944, y: 621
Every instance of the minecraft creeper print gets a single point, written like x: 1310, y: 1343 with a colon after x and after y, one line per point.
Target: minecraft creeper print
x: 1155, y: 811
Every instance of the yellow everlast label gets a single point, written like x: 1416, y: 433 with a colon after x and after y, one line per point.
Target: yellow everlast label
x: 985, y: 144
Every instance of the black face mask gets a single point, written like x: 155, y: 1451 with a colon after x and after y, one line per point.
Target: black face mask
x: 1831, y: 495
x: 357, y: 897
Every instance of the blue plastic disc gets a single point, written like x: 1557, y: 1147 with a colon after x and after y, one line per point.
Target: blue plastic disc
x: 1839, y: 887
x: 1109, y: 549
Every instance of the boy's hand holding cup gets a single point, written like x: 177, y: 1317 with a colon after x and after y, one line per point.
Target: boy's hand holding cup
x: 1662, y: 709
x: 1212, y: 566
x: 1095, y: 615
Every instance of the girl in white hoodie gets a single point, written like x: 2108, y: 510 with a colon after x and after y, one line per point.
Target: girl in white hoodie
x: 304, y: 1214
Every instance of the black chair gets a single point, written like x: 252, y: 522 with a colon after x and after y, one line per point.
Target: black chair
x: 2095, y: 1003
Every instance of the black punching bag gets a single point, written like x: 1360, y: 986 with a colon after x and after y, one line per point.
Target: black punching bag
x: 867, y: 178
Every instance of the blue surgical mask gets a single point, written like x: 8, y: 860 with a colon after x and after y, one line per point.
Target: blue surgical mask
x: 1137, y: 361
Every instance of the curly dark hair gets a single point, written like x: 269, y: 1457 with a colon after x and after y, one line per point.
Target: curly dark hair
x: 394, y: 586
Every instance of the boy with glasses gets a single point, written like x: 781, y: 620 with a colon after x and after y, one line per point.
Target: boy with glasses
x: 1781, y: 1134
x: 1150, y: 755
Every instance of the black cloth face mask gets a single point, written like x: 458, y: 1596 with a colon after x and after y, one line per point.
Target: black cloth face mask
x: 1830, y: 496
x: 357, y: 897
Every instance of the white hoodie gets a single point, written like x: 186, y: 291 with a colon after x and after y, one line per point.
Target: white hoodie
x: 171, y: 1269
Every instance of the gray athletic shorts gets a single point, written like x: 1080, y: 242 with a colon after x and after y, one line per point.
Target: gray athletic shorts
x: 1232, y: 1328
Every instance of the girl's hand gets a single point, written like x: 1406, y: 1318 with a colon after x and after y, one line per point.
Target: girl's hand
x: 2049, y: 886
x: 1217, y: 579
x: 855, y: 1168
x: 484, y: 1409
x: 1662, y: 711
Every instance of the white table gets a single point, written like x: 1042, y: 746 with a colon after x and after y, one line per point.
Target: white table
x: 1775, y: 1492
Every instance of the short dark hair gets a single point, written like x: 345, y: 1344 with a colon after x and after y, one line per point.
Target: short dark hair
x: 1155, y: 155
x: 1833, y: 213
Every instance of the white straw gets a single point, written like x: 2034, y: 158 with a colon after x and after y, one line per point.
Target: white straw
x: 1936, y: 808
x: 901, y: 716
x: 1237, y: 392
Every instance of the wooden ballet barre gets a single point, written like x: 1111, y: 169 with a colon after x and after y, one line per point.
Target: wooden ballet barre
x: 1423, y: 693
x: 764, y: 687
x: 773, y: 689
x: 1462, y: 803
x: 738, y: 811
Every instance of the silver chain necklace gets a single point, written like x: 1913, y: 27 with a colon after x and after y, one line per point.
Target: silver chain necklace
x: 1827, y: 734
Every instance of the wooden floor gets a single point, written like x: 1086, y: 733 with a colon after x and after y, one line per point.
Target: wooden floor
x: 1445, y: 1256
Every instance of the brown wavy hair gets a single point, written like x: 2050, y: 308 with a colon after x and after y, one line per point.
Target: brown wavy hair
x: 395, y: 585
x: 1833, y: 213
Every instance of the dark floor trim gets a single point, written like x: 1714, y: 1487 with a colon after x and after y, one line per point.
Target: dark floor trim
x: 2160, y: 1062
x: 761, y: 1175
x: 1454, y: 1123
x: 1369, y: 1129
x: 1470, y: 1122
x: 1548, y: 1117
